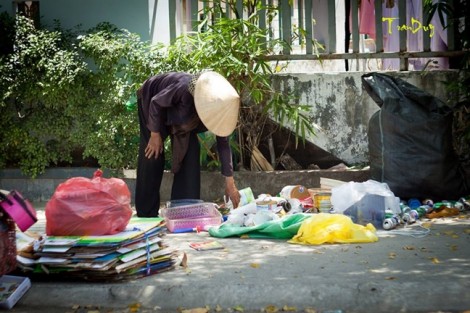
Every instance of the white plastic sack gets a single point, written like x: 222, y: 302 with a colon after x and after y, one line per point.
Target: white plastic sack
x: 346, y: 195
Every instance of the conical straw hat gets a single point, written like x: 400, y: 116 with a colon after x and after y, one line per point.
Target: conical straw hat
x: 217, y: 103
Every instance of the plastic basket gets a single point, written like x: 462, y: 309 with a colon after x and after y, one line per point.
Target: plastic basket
x: 181, y: 202
x: 188, y: 217
x: 7, y: 244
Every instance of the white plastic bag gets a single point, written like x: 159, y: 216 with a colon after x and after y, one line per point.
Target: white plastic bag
x: 346, y: 195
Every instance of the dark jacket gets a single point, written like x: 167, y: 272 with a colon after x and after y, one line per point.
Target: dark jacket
x: 169, y: 109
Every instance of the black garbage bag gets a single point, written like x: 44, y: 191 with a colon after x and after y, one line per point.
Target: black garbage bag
x: 410, y: 141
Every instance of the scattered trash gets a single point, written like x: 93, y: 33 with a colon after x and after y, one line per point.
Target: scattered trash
x: 206, y: 245
x: 391, y: 220
x: 191, y: 217
x: 365, y: 202
x: 12, y: 288
x: 322, y: 202
x: 18, y: 208
x: 294, y: 191
x: 333, y: 228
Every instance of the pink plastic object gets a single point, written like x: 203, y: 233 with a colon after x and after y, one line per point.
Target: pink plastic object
x: 192, y: 216
x: 89, y: 207
x: 19, y: 209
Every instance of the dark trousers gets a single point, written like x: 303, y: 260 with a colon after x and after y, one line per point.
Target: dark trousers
x: 186, y: 182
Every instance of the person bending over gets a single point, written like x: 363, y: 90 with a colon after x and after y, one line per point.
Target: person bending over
x: 181, y: 105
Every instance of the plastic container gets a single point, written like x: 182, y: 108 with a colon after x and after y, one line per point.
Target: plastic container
x: 192, y: 216
x: 19, y: 209
x: 181, y: 202
x: 323, y: 202
x: 12, y: 288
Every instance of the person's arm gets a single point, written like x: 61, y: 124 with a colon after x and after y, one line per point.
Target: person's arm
x: 165, y: 88
x: 231, y: 191
x: 225, y: 155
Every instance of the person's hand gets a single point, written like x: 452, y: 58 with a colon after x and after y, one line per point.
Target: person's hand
x: 231, y: 191
x: 155, y: 146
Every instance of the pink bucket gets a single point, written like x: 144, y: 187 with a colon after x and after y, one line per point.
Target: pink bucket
x: 19, y: 209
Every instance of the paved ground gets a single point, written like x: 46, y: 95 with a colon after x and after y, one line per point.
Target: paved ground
x: 408, y: 270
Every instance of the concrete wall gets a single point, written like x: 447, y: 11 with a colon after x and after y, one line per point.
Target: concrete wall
x: 42, y: 188
x: 341, y: 108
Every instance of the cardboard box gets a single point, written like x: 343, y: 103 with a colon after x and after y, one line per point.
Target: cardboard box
x: 12, y: 288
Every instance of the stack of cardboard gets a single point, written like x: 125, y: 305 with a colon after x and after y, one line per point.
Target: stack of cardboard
x: 136, y: 252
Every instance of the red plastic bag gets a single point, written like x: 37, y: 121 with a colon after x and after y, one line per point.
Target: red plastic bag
x: 89, y: 207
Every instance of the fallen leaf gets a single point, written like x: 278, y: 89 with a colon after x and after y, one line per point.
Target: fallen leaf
x: 318, y: 252
x: 310, y: 310
x: 218, y: 308
x: 134, y: 307
x: 289, y: 308
x: 449, y: 232
x: 239, y: 308
x: 75, y: 306
x: 389, y: 278
x: 408, y: 248
x: 467, y: 231
x: 453, y: 247
x: 93, y: 311
x: 184, y: 261
x: 435, y: 260
x: 392, y: 255
x: 245, y: 236
x: 271, y: 309
x: 196, y: 310
x: 254, y: 265
x: 426, y: 225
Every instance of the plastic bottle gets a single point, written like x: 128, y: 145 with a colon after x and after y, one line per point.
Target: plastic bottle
x: 414, y: 203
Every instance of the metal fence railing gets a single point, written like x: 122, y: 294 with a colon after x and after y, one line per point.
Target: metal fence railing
x: 392, y: 32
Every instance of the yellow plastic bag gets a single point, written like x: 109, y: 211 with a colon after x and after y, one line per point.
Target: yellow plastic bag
x: 333, y: 228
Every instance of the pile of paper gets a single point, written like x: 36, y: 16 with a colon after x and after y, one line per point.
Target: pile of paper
x: 137, y: 251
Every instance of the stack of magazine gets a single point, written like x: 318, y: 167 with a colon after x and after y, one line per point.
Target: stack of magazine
x: 135, y: 252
